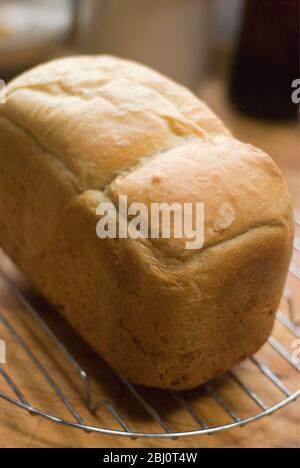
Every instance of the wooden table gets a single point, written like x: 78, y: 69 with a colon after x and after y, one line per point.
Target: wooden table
x: 18, y: 429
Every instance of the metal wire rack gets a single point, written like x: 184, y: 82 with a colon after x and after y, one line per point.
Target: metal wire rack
x: 287, y: 320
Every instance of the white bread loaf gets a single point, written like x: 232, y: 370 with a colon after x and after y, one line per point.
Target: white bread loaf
x: 79, y: 131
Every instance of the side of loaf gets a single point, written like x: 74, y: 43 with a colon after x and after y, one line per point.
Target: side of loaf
x: 80, y: 131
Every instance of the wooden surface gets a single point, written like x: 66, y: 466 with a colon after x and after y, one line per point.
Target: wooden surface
x: 18, y: 429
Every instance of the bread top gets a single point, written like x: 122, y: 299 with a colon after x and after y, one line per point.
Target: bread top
x: 102, y: 115
x: 122, y: 129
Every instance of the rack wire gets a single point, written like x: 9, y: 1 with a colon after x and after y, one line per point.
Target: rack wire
x: 287, y: 320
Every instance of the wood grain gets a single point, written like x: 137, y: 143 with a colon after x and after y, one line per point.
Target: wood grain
x: 19, y: 429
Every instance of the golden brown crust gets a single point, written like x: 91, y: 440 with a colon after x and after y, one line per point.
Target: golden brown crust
x: 78, y: 130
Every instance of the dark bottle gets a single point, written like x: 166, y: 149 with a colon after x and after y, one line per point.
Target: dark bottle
x: 267, y: 59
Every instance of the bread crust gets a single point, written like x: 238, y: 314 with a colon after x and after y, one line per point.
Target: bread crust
x: 79, y: 131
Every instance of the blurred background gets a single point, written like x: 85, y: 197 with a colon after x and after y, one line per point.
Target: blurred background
x: 240, y: 56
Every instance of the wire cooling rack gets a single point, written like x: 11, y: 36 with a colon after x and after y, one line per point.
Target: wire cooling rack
x: 189, y: 408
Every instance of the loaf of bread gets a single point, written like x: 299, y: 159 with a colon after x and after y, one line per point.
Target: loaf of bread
x: 80, y: 131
